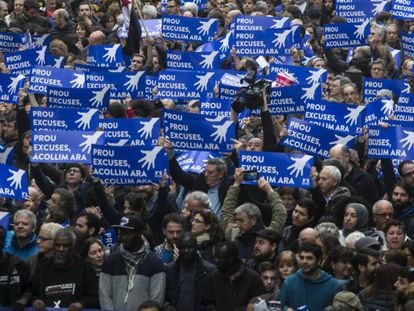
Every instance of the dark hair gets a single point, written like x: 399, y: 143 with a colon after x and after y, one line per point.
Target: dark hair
x: 397, y: 257
x: 136, y: 201
x: 4, y: 231
x: 84, y: 26
x: 172, y: 217
x: 288, y: 190
x: 232, y: 250
x: 92, y: 221
x: 311, y: 247
x: 211, y: 219
x: 384, y: 279
x: 31, y: 4
x: 67, y: 202
x: 310, y: 207
x: 401, y: 165
x: 337, y: 254
x: 361, y: 257
x: 394, y: 223
x: 410, y: 246
x: 117, y: 110
x: 405, y: 186
x: 267, y: 266
x: 87, y: 244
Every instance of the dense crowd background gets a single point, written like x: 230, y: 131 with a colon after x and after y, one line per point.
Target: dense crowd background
x: 207, y: 241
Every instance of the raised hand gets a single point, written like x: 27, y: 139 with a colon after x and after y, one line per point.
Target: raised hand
x: 12, y: 87
x: 280, y: 40
x: 146, y: 130
x: 298, y: 165
x: 316, y: 76
x: 221, y: 131
x: 205, y: 26
x: 40, y: 41
x: 202, y: 82
x: 110, y: 55
x: 341, y: 140
x: 353, y: 114
x: 208, y: 60
x: 97, y: 100
x: 84, y: 121
x: 148, y: 161
x: 360, y: 29
x: 408, y: 140
x: 132, y: 83
x: 309, y: 92
x: 41, y: 56
x: 78, y: 81
x: 90, y: 140
x: 16, y: 178
x: 388, y: 106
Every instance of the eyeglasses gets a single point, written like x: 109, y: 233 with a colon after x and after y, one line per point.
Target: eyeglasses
x: 73, y: 170
x: 384, y: 215
x: 42, y: 239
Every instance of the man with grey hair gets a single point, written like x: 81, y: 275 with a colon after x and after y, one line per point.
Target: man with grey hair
x: 382, y: 212
x: 241, y: 223
x: 22, y: 239
x: 213, y: 181
x: 149, y: 12
x: 64, y: 30
x: 3, y: 12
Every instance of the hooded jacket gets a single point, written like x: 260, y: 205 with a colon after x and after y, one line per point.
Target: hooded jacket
x: 298, y: 291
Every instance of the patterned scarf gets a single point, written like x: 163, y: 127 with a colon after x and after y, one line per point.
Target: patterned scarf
x: 133, y: 261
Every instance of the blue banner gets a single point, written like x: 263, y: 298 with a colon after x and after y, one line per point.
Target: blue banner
x: 10, y: 42
x: 41, y: 40
x: 121, y: 84
x: 59, y: 119
x: 379, y: 110
x: 109, y: 56
x: 180, y: 84
x: 10, y: 85
x: 152, y: 26
x: 78, y: 98
x: 188, y: 131
x: 4, y: 221
x: 13, y: 182
x: 129, y: 165
x: 371, y: 87
x: 279, y: 169
x: 356, y: 11
x: 407, y: 44
x: 43, y: 77
x: 64, y: 146
x: 229, y: 85
x: 392, y: 142
x: 402, y: 9
x: 150, y: 84
x: 195, y: 161
x: 336, y: 116
x: 22, y: 61
x: 403, y: 112
x: 193, y: 60
x: 215, y: 107
x: 133, y: 132
x: 303, y: 75
x: 346, y: 35
x: 6, y: 155
x: 192, y: 29
x: 223, y: 45
x: 313, y: 139
x: 89, y: 68
x: 244, y: 24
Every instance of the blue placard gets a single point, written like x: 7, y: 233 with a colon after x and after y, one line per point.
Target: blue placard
x: 192, y: 29
x: 43, y: 77
x: 402, y: 9
x: 4, y: 220
x: 313, y: 139
x: 193, y: 60
x: 279, y: 169
x: 379, y: 110
x: 336, y: 116
x: 78, y: 98
x: 132, y: 132
x: 223, y: 45
x: 346, y: 35
x: 59, y: 119
x: 188, y: 131
x: 214, y: 107
x: 180, y: 84
x: 11, y: 42
x: 403, y: 112
x: 10, y: 85
x: 407, y: 44
x: 64, y: 146
x: 371, y: 86
x: 152, y: 26
x: 129, y: 165
x: 303, y: 75
x: 249, y: 24
x: 6, y: 155
x: 392, y: 142
x: 150, y: 84
x: 121, y: 84
x: 195, y: 161
x: 356, y: 11
x: 109, y: 56
x: 13, y: 182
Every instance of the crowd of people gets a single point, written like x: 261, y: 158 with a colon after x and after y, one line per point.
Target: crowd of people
x: 208, y: 241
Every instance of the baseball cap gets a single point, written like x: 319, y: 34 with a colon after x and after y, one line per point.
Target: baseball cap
x: 349, y: 299
x: 367, y: 242
x: 130, y: 223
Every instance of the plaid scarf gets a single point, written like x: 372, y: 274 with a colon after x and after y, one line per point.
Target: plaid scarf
x: 133, y: 261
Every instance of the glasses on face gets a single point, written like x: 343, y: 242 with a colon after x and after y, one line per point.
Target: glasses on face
x: 73, y: 170
x: 384, y: 215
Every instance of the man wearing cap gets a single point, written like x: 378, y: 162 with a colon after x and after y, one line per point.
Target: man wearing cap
x: 264, y: 249
x: 134, y: 274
